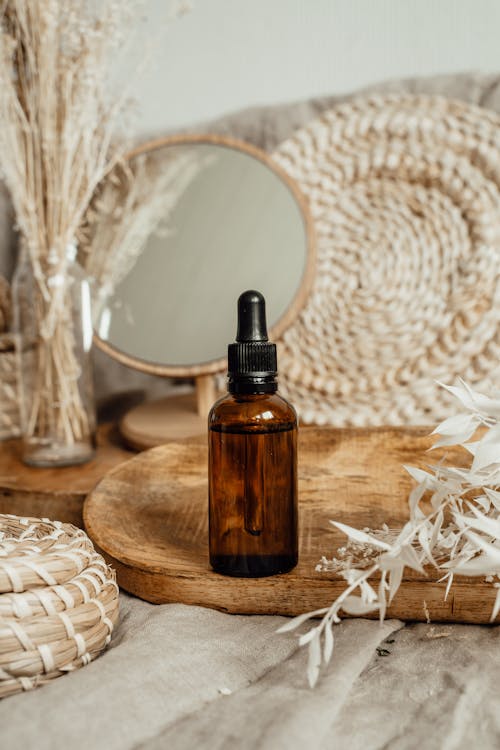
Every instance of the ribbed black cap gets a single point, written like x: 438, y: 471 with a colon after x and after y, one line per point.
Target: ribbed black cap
x: 252, y: 364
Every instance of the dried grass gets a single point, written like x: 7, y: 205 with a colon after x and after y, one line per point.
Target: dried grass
x: 58, y: 129
x: 453, y: 525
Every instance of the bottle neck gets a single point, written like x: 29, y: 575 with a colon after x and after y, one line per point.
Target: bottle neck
x: 252, y: 385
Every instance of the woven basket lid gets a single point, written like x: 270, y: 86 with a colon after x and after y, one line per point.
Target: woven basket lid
x: 405, y: 197
x: 58, y: 602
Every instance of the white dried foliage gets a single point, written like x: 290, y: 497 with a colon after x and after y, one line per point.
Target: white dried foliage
x: 453, y: 526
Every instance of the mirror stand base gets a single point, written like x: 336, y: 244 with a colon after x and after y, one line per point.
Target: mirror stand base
x: 162, y: 421
x: 170, y: 418
x: 206, y: 394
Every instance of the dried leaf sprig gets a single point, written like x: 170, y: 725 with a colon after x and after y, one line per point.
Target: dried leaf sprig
x: 453, y: 525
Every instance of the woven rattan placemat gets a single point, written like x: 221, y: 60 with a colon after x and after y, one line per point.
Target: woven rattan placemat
x: 405, y: 197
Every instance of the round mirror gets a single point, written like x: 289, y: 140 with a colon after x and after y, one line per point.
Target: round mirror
x: 189, y: 223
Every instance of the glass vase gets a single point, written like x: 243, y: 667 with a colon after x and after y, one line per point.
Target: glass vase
x: 53, y: 323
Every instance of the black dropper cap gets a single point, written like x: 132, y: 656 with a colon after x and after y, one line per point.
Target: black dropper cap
x: 252, y: 366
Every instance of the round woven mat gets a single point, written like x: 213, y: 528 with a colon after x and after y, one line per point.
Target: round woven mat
x: 58, y: 602
x: 405, y: 197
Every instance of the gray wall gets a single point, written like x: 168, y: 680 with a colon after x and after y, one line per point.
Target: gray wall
x: 228, y: 54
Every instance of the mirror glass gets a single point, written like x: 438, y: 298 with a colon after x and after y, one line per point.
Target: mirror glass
x: 186, y: 227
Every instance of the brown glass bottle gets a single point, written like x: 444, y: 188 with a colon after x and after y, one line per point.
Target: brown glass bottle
x: 252, y: 460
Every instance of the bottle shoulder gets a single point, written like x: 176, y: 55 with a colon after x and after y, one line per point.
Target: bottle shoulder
x: 255, y: 411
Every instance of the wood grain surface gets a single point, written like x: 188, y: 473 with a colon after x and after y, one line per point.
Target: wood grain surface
x: 149, y: 517
x: 56, y: 493
x: 163, y: 420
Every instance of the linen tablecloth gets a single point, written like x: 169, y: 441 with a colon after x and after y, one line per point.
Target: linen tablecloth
x: 188, y: 678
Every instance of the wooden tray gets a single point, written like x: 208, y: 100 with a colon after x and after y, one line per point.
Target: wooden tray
x: 59, y: 493
x: 149, y: 517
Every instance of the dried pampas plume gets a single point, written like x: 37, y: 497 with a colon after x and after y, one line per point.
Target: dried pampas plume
x: 61, y: 132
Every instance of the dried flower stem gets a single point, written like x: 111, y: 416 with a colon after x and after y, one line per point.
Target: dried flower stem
x: 59, y: 137
x: 458, y: 535
x: 55, y: 136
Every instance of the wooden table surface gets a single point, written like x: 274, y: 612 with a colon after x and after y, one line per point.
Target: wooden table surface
x: 56, y: 493
x: 149, y: 517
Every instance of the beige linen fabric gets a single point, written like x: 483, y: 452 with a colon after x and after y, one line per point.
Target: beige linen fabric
x: 189, y: 677
x: 438, y: 690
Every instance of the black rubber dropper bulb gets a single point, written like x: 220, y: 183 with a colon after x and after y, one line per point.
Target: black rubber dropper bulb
x: 251, y: 317
x: 252, y: 365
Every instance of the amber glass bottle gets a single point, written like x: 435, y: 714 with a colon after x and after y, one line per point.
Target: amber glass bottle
x: 252, y: 458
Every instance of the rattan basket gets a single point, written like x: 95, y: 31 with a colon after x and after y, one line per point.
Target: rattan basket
x: 58, y: 602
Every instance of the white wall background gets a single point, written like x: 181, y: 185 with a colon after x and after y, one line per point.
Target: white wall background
x: 228, y: 54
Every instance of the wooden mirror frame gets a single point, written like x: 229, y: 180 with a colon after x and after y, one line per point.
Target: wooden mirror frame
x: 295, y: 305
